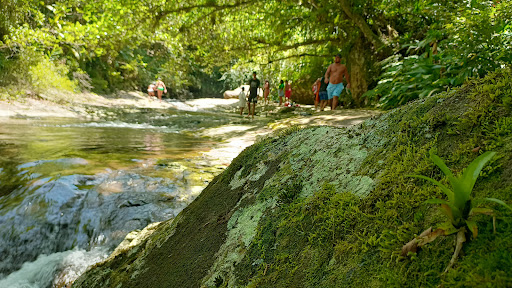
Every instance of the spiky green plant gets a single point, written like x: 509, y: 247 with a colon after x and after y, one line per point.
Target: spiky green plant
x: 458, y: 207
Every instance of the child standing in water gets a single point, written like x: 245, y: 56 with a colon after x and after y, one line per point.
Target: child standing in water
x: 242, y: 102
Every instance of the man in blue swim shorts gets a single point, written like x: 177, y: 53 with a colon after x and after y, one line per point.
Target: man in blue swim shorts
x: 334, y: 76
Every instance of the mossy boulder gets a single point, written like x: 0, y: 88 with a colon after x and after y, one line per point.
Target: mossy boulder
x: 332, y: 207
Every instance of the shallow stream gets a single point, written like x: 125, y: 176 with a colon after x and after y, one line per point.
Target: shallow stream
x: 71, y: 190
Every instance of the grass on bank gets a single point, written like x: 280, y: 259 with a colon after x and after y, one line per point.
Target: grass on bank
x: 35, y: 75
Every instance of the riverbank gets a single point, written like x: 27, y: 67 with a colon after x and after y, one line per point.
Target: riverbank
x: 79, y: 105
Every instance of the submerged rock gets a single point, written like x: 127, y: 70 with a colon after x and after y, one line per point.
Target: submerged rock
x: 81, y: 211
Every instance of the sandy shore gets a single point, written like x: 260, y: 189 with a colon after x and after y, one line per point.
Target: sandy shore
x: 41, y: 108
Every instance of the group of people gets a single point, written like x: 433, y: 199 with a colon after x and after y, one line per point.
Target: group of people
x: 327, y: 90
x: 284, y: 89
x: 158, y: 87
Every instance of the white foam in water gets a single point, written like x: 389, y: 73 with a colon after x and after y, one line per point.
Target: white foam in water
x: 77, y: 262
x: 116, y: 124
x: 39, y: 273
x: 68, y: 265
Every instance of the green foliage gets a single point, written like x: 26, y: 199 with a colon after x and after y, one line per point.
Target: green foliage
x: 46, y: 75
x: 457, y: 45
x: 127, y: 44
x: 33, y: 72
x: 407, y: 79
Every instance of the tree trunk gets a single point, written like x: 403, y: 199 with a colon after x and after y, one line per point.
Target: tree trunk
x: 359, y: 63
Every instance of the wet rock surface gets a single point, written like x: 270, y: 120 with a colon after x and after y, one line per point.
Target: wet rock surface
x: 58, y: 215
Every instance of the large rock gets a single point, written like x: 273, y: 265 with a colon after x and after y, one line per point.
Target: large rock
x: 234, y: 93
x: 328, y: 207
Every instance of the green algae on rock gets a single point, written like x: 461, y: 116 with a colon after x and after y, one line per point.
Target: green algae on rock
x: 331, y: 207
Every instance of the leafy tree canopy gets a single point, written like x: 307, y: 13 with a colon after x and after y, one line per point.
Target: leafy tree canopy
x: 395, y: 50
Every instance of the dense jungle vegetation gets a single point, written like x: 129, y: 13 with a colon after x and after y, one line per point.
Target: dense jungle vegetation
x: 395, y: 50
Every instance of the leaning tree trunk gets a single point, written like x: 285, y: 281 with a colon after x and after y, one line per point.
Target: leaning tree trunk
x: 363, y: 55
x: 359, y: 63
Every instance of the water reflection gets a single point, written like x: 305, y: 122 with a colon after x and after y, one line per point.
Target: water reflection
x: 153, y: 142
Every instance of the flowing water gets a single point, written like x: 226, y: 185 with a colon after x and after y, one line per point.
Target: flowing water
x: 71, y: 190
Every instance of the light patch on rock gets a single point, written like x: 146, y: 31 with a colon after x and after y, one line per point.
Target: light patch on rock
x: 242, y: 228
x: 255, y: 175
x: 237, y: 181
x: 260, y: 171
x: 336, y: 162
x: 133, y: 239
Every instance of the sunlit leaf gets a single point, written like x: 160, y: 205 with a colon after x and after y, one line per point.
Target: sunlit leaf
x: 471, y: 173
x: 499, y: 202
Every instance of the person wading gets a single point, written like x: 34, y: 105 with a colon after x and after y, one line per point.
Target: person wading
x: 160, y: 88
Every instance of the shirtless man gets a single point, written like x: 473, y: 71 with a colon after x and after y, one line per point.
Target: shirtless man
x: 334, y: 76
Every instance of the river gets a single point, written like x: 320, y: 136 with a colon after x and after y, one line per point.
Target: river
x: 70, y: 190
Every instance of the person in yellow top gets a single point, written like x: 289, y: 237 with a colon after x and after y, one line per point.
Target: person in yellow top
x: 160, y: 88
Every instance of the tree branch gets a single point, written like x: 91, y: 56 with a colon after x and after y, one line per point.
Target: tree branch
x: 362, y: 25
x: 297, y: 56
x: 296, y: 45
x: 214, y: 5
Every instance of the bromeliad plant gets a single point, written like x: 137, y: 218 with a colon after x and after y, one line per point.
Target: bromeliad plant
x: 458, y: 207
